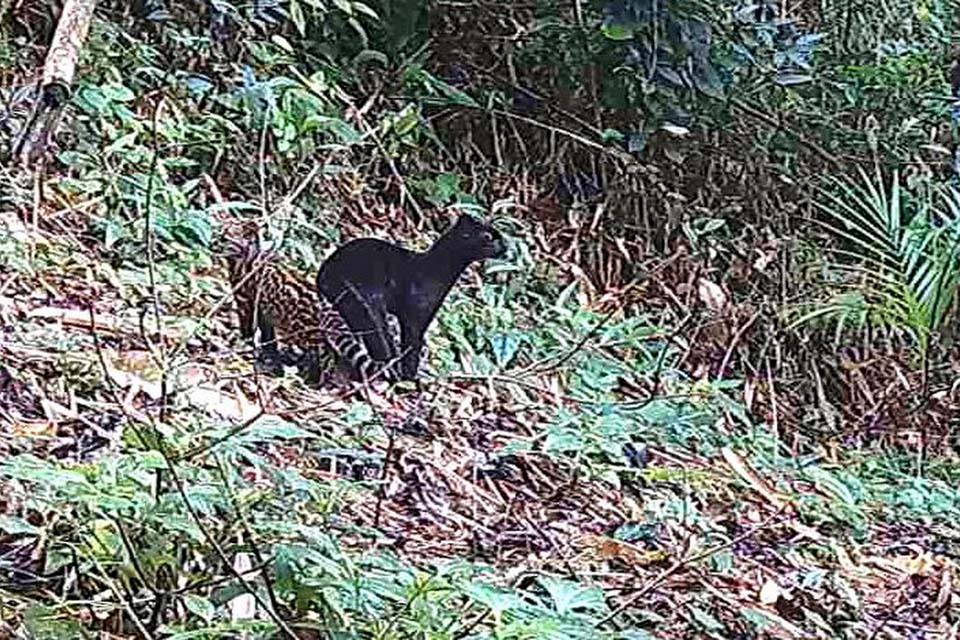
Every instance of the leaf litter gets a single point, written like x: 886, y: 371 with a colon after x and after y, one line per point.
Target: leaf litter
x: 680, y: 537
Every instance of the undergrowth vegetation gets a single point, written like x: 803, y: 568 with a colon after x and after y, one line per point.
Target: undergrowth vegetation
x: 710, y: 391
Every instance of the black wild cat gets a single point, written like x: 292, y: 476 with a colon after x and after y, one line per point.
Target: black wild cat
x: 389, y: 279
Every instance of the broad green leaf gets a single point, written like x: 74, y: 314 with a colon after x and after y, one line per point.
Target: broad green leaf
x: 30, y: 468
x: 616, y: 31
x: 497, y: 600
x: 199, y: 606
x: 49, y: 623
x: 705, y: 619
x: 504, y: 347
x: 17, y: 526
x: 569, y: 596
x: 118, y: 93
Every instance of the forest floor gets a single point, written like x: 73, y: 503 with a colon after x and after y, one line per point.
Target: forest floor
x: 568, y: 447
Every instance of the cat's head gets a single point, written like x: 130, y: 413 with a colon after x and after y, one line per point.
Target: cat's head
x: 478, y: 240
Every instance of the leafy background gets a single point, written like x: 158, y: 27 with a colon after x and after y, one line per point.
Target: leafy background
x: 709, y: 393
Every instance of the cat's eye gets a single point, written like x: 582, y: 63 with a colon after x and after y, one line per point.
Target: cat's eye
x: 487, y: 236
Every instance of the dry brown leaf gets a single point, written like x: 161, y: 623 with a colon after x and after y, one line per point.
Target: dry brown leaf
x: 806, y: 531
x: 8, y: 304
x: 711, y: 295
x: 192, y: 383
x: 54, y: 411
x: 611, y: 549
x: 136, y: 372
x: 16, y: 229
x: 376, y: 397
x: 843, y: 558
x: 215, y: 402
x: 749, y: 393
x: 922, y: 564
x: 103, y: 323
x: 80, y: 318
x: 34, y: 428
x: 130, y: 370
x: 945, y: 593
x: 770, y: 592
x: 742, y: 469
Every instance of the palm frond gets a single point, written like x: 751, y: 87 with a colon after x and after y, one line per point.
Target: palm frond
x: 907, y: 268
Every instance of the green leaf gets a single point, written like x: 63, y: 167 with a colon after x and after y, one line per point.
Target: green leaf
x: 831, y: 484
x: 201, y: 607
x: 297, y: 17
x: 568, y: 596
x: 113, y: 231
x: 611, y: 135
x: 448, y: 185
x: 406, y: 121
x: 32, y: 469
x: 704, y: 619
x: 282, y: 42
x: 355, y: 24
x: 760, y: 619
x: 504, y: 347
x: 275, y: 428
x: 618, y: 32
x: 562, y: 440
x: 92, y: 99
x: 565, y: 295
x: 707, y: 80
x: 343, y: 130
x: 74, y: 159
x: 152, y: 460
x: 102, y: 539
x: 118, y: 93
x: 497, y: 600
x: 48, y: 623
x: 360, y: 7
x: 358, y: 413
x: 17, y: 526
x: 454, y: 95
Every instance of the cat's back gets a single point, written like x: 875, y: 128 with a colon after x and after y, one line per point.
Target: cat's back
x: 363, y: 259
x: 368, y: 247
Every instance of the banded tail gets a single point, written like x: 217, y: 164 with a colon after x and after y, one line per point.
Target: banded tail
x: 351, y: 348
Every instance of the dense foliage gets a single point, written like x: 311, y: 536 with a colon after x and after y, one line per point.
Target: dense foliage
x: 711, y: 392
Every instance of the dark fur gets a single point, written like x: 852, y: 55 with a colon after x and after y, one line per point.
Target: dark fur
x: 388, y: 279
x: 285, y: 307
